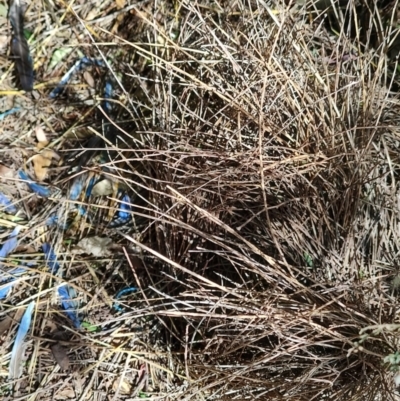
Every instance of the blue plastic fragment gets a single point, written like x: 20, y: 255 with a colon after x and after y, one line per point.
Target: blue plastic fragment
x: 6, y: 289
x: 9, y: 275
x: 8, y: 206
x: 77, y: 186
x: 8, y: 112
x: 124, y: 213
x: 54, y: 219
x: 16, y: 352
x: 82, y: 211
x: 90, y: 186
x: 36, y: 188
x: 11, y: 243
x: 121, y: 293
x: 78, y: 66
x: 108, y: 94
x: 67, y: 293
x: 51, y: 258
x: 125, y: 208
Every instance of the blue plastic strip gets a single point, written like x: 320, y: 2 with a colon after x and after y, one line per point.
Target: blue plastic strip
x: 8, y: 112
x: 78, y: 66
x: 36, y: 188
x: 123, y: 215
x: 124, y: 291
x: 51, y: 258
x: 67, y: 293
x: 16, y: 352
x: 77, y: 186
x: 8, y: 206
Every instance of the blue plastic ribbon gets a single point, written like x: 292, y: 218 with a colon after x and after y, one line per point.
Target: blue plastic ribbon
x: 121, y: 293
x: 18, y: 348
x: 36, y: 188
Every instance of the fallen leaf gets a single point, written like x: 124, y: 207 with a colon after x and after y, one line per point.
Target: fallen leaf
x: 120, y: 4
x: 77, y: 381
x: 96, y: 246
x: 6, y: 172
x: 58, y: 56
x: 5, y: 324
x: 40, y: 166
x: 50, y: 154
x: 89, y: 79
x: 65, y: 393
x: 122, y: 386
x: 60, y: 355
x: 41, y: 138
x: 92, y: 14
x: 103, y: 188
x: 3, y: 41
x: 3, y: 10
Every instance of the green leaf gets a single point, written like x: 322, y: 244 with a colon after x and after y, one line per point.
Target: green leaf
x: 27, y: 34
x: 3, y: 10
x: 90, y: 327
x: 308, y: 259
x: 59, y: 55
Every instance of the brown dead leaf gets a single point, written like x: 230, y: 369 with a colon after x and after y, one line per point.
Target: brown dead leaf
x: 60, y: 356
x: 7, y: 322
x: 40, y: 166
x: 65, y: 394
x: 92, y: 14
x: 41, y: 138
x: 6, y: 172
x: 3, y: 42
x: 122, y: 386
x: 120, y: 4
x: 25, y: 249
x: 89, y: 79
x: 50, y: 154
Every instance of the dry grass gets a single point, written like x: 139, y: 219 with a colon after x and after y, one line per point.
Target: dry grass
x: 260, y: 147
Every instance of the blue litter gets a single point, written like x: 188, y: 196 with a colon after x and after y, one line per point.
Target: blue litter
x: 36, y: 188
x: 8, y: 206
x: 11, y: 276
x: 51, y: 258
x: 78, y: 66
x: 123, y: 215
x: 77, y: 186
x: 121, y: 293
x: 67, y: 293
x: 8, y: 112
x: 10, y: 244
x: 90, y: 186
x: 8, y: 247
x: 55, y: 220
x: 108, y: 94
x: 15, y: 367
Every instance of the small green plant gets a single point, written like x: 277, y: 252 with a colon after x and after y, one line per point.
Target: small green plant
x: 309, y: 260
x: 393, y: 360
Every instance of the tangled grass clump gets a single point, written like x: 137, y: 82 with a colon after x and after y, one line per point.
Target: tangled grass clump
x: 260, y: 148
